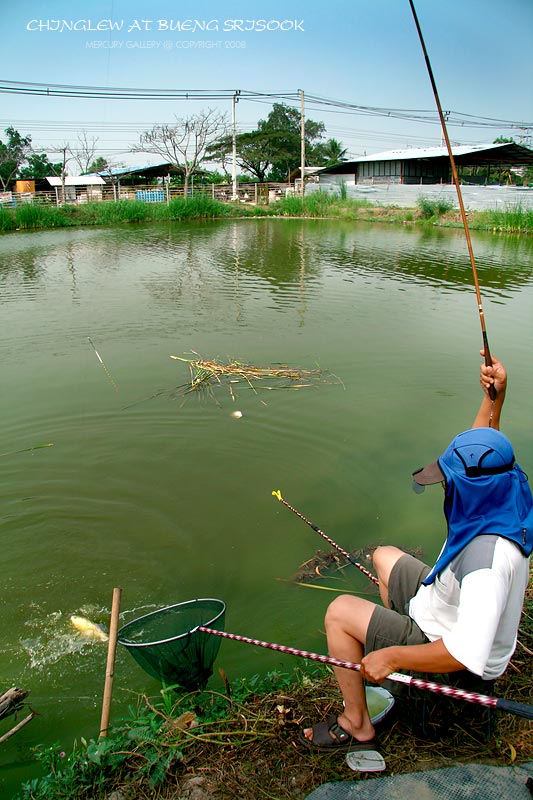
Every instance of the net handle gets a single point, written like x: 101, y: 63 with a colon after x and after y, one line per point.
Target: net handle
x: 520, y: 709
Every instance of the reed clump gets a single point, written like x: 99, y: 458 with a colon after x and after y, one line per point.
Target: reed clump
x: 207, y: 374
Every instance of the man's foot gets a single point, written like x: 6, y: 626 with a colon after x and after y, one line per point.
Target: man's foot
x: 338, y: 734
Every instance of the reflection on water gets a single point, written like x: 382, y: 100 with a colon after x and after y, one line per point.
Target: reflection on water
x: 172, y: 500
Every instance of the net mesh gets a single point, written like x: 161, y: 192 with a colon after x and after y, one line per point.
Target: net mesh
x: 166, y: 645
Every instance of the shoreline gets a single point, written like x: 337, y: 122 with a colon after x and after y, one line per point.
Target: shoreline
x: 32, y: 217
x: 243, y: 742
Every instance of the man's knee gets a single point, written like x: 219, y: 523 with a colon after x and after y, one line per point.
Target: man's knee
x: 384, y: 558
x: 342, y: 608
x: 350, y: 615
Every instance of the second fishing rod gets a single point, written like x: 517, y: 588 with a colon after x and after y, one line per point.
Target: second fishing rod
x: 347, y: 555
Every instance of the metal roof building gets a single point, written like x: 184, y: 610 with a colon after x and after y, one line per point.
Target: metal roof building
x: 138, y: 174
x: 425, y: 165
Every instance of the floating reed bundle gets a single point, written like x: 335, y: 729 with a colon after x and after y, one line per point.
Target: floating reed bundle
x: 206, y: 374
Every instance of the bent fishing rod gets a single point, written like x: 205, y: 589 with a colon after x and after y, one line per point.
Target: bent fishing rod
x: 321, y: 533
x: 510, y: 706
x: 488, y: 359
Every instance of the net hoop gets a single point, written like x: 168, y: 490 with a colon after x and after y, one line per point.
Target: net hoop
x: 146, y: 617
x: 168, y: 645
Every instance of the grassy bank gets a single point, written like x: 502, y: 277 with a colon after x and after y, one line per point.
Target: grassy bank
x: 244, y: 742
x: 318, y: 205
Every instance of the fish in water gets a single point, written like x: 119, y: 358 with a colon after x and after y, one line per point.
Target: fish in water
x: 91, y: 630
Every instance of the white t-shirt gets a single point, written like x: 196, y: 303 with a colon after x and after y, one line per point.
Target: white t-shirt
x: 475, y: 604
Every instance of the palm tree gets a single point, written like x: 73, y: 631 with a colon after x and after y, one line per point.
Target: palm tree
x: 333, y: 152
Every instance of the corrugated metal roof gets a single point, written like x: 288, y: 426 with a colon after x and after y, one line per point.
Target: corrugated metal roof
x: 77, y: 180
x: 117, y: 171
x: 426, y: 152
x: 504, y: 152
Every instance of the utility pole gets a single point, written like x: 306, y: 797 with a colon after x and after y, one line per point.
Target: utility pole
x: 302, y: 155
x: 234, y: 100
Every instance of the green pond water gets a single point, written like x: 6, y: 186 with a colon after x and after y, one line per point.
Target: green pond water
x: 170, y: 499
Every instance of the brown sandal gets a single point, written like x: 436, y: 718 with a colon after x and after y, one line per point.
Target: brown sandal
x: 329, y: 736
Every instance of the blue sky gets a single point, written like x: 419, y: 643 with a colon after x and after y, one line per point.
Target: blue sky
x: 364, y: 52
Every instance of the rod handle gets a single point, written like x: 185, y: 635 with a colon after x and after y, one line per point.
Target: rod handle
x: 488, y: 363
x: 520, y: 709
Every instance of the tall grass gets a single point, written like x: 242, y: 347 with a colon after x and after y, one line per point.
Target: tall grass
x: 200, y: 207
x: 433, y: 209
x: 291, y: 206
x: 7, y: 220
x: 32, y: 216
x: 318, y: 204
x: 123, y: 211
x: 514, y: 219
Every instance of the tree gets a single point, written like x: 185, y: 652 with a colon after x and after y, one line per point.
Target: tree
x: 254, y: 153
x: 330, y: 153
x: 184, y: 144
x: 99, y: 164
x: 13, y: 154
x: 273, y: 150
x: 84, y: 153
x: 38, y: 166
x: 282, y: 129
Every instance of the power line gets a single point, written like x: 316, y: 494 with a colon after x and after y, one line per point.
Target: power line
x: 312, y: 101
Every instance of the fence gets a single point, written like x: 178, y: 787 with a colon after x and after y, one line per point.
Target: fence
x: 254, y: 193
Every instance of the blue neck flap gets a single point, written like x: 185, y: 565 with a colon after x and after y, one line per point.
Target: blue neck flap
x: 485, y: 492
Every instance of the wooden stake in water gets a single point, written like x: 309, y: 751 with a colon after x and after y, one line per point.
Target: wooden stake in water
x: 110, y: 666
x: 113, y: 384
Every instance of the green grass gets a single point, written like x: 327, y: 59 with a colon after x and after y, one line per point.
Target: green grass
x: 514, y: 219
x: 200, y: 207
x: 433, y: 209
x: 145, y: 749
x: 318, y: 205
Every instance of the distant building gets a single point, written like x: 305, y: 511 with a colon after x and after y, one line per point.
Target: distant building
x: 139, y: 175
x: 402, y: 177
x: 78, y: 188
x: 423, y: 165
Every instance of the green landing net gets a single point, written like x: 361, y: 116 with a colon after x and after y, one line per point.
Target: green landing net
x: 167, y: 645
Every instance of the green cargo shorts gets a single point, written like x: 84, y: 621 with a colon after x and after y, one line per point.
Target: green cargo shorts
x: 393, y: 626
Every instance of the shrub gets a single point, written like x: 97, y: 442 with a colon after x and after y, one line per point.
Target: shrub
x: 429, y: 209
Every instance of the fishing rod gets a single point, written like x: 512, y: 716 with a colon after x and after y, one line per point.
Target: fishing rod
x: 488, y: 359
x: 510, y: 706
x: 324, y: 536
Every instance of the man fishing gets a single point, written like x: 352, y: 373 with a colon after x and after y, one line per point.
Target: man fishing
x: 463, y: 614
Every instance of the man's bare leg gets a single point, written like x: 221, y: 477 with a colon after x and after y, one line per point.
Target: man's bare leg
x: 384, y: 559
x: 347, y: 621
